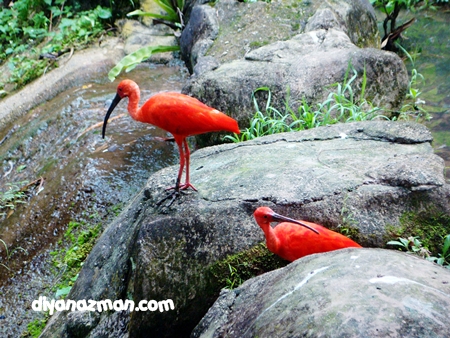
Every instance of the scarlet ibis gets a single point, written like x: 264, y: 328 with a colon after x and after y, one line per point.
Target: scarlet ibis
x: 291, y: 241
x: 179, y: 114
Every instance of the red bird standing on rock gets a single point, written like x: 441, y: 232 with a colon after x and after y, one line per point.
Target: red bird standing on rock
x: 294, y: 239
x: 179, y: 114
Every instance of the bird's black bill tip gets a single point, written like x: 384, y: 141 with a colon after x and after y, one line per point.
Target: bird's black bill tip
x: 280, y: 218
x: 113, y: 105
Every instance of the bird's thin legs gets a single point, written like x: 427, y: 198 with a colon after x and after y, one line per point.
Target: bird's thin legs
x: 176, y: 189
x: 184, y: 162
x: 187, y: 155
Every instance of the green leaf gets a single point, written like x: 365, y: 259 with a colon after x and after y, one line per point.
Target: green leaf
x: 394, y: 243
x: 131, y: 60
x: 63, y: 292
x: 104, y: 13
x: 153, y: 15
x: 446, y: 247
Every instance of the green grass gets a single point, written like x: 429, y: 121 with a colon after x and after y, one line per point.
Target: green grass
x: 343, y: 104
x: 412, y: 106
x: 9, y: 253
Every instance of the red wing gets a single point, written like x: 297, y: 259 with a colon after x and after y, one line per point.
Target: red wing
x: 298, y: 241
x: 184, y: 115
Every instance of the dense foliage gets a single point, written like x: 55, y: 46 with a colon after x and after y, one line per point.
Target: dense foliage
x: 34, y: 33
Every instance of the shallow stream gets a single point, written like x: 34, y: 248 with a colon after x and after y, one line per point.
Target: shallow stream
x: 428, y: 41
x: 77, y: 175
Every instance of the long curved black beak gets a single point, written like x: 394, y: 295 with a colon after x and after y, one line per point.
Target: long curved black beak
x: 279, y: 218
x: 113, y: 105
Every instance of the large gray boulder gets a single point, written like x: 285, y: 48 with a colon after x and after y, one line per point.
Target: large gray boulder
x: 345, y: 293
x: 305, y: 67
x: 228, y: 29
x: 362, y: 177
x: 223, y: 47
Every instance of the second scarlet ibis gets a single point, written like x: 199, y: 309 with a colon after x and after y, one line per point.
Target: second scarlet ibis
x: 294, y: 239
x: 179, y: 114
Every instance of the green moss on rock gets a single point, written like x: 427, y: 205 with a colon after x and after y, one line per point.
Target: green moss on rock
x: 429, y: 225
x: 237, y: 268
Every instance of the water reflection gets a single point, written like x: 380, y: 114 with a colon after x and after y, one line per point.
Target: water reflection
x: 430, y: 37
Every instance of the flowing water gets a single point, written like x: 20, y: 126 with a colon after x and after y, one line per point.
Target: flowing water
x: 428, y: 41
x: 75, y: 175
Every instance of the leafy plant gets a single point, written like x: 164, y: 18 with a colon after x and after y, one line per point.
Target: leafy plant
x: 174, y: 10
x: 173, y: 18
x: 36, y: 327
x: 444, y: 256
x: 16, y: 194
x: 48, y: 24
x: 9, y: 253
x: 411, y: 244
x: 414, y: 245
x: 81, y: 237
x: 64, y: 290
x: 130, y: 61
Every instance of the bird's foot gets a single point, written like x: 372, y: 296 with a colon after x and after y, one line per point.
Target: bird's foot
x: 184, y: 186
x: 187, y: 186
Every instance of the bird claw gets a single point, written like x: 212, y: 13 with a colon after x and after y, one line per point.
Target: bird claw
x: 184, y: 186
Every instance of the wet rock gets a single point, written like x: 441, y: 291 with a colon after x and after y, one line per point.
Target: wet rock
x: 199, y: 34
x: 363, y: 176
x: 345, y: 293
